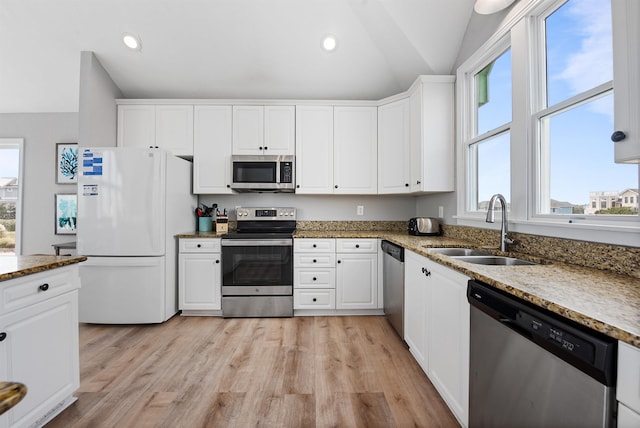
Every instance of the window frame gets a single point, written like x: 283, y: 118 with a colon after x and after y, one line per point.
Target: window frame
x: 520, y: 28
x: 17, y: 143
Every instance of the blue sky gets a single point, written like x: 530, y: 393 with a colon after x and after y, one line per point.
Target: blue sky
x: 579, y: 58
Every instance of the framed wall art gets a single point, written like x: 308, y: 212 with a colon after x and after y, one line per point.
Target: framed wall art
x: 67, y: 163
x: 66, y: 213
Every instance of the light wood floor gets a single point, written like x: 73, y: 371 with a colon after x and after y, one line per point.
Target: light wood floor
x: 215, y: 372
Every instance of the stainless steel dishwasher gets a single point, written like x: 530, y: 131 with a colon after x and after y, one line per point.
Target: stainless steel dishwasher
x: 393, y: 285
x: 532, y: 368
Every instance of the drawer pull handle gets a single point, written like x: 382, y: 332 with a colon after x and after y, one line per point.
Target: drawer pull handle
x: 3, y: 336
x: 426, y: 272
x: 315, y: 300
x: 44, y: 287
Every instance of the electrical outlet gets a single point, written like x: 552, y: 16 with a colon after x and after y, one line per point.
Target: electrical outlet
x: 360, y: 210
x: 441, y: 212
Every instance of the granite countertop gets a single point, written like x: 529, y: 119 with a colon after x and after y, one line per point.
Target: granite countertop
x: 602, y: 300
x: 17, y: 266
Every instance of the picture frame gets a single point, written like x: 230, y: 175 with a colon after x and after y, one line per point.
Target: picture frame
x: 66, y: 213
x: 67, y: 163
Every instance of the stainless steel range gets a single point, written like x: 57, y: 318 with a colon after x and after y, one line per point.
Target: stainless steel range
x: 257, y: 264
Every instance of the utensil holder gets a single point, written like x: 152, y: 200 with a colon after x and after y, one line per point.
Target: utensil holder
x: 205, y: 224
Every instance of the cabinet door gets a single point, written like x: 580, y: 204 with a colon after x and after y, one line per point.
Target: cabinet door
x: 416, y: 299
x: 174, y: 129
x: 355, y: 157
x: 279, y: 130
x: 432, y: 134
x: 357, y: 281
x: 314, y: 149
x: 394, y: 147
x: 212, y: 150
x: 248, y: 130
x: 41, y: 351
x: 448, y: 339
x: 136, y: 126
x: 626, y: 69
x: 199, y: 281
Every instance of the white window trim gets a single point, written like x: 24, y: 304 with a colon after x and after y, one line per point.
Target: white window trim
x: 517, y: 25
x: 19, y: 143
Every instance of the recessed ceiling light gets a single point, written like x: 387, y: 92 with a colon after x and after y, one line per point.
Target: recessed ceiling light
x: 329, y: 43
x: 132, y: 41
x: 487, y: 7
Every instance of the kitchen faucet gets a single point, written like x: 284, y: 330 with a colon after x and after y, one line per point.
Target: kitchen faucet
x: 504, y: 240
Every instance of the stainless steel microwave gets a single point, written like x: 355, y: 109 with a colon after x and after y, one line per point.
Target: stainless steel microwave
x: 263, y: 173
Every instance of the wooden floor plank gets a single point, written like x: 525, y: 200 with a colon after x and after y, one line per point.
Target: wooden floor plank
x: 280, y: 372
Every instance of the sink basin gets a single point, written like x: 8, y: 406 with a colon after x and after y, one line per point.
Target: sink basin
x: 459, y: 252
x: 494, y: 260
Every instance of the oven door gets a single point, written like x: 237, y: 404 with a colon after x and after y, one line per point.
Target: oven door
x: 257, y: 267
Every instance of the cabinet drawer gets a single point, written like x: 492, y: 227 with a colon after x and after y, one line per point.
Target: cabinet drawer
x: 357, y: 245
x: 200, y: 245
x: 314, y: 260
x: 315, y: 278
x: 628, y: 391
x: 306, y: 245
x: 314, y: 299
x: 38, y: 287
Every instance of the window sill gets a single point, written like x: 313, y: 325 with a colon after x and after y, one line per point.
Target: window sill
x: 581, y: 230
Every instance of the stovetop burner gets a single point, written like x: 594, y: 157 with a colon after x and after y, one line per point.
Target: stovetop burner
x: 264, y: 223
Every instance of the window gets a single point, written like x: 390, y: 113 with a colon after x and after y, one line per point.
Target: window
x: 489, y: 145
x: 575, y: 154
x: 10, y: 195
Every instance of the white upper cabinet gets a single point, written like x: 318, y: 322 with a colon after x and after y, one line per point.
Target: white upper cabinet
x: 212, y: 149
x: 432, y: 134
x: 394, y: 147
x: 169, y: 127
x: 626, y: 80
x: 355, y: 153
x: 263, y: 130
x: 314, y: 149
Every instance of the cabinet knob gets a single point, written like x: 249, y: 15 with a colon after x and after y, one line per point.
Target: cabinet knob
x: 297, y: 186
x: 336, y: 186
x: 315, y: 246
x: 315, y: 300
x: 314, y: 260
x: 44, y: 287
x: 229, y: 185
x: 3, y: 336
x: 357, y: 245
x: 198, y: 245
x: 618, y: 136
x: 339, y: 261
x: 265, y: 147
x: 315, y: 279
x: 217, y: 261
x: 406, y: 184
x: 418, y: 182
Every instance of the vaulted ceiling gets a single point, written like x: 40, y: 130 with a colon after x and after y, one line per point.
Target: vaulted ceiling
x: 225, y: 48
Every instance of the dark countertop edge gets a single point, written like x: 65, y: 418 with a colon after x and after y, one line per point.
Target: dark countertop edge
x: 54, y: 263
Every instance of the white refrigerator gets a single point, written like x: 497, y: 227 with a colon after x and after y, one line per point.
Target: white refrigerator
x: 132, y: 203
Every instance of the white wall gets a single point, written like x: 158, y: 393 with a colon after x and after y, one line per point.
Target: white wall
x: 98, y: 112
x: 326, y: 208
x: 41, y: 132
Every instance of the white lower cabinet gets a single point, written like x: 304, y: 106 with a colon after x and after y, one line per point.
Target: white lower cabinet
x: 357, y: 281
x: 199, y: 276
x: 314, y: 271
x: 39, y: 343
x: 628, y: 386
x: 437, y: 328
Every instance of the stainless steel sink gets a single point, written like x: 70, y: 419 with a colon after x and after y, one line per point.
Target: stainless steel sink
x: 454, y: 252
x: 494, y: 260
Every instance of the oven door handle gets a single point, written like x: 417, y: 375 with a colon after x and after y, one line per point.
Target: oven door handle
x: 257, y: 243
